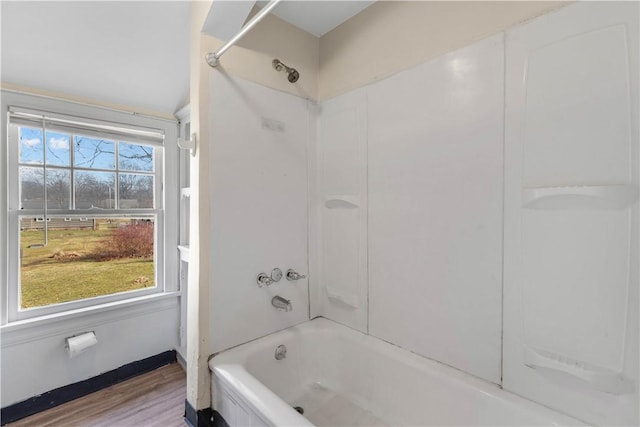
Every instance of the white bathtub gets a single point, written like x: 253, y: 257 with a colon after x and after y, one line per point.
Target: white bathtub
x: 341, y: 377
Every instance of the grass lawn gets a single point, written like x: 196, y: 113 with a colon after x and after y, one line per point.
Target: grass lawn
x: 65, y: 270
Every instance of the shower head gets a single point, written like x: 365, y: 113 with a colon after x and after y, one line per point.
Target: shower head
x: 292, y: 73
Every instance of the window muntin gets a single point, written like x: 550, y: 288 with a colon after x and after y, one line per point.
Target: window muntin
x: 93, y: 177
x: 29, y: 169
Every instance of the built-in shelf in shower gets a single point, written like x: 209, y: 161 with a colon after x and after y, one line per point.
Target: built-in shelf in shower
x: 587, y: 197
x: 348, y: 300
x: 600, y: 378
x: 342, y: 202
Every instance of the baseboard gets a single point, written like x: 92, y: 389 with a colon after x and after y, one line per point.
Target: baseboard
x: 201, y: 417
x: 70, y: 392
x: 218, y: 421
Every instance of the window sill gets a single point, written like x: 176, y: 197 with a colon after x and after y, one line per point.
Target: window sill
x: 39, y: 327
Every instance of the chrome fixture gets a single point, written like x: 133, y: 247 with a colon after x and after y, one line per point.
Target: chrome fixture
x: 263, y: 279
x: 292, y: 73
x: 281, y: 352
x: 276, y: 274
x: 213, y: 58
x: 281, y: 303
x: 294, y: 275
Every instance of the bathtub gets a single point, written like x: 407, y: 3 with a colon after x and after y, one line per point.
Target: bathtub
x: 341, y: 377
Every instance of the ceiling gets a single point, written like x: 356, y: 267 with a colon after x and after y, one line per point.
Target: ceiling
x: 316, y: 16
x: 133, y: 53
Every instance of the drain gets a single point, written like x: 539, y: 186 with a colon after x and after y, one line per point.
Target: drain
x: 299, y: 409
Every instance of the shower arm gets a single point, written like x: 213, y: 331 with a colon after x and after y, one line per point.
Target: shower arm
x: 292, y: 73
x: 213, y: 59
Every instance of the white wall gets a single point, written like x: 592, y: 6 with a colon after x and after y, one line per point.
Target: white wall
x: 435, y: 208
x: 338, y: 250
x: 250, y: 60
x: 429, y: 141
x: 34, y: 360
x: 391, y: 36
x: 140, y: 47
x: 258, y: 203
x: 571, y: 212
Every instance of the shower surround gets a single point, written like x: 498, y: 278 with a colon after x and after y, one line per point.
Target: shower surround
x: 397, y: 198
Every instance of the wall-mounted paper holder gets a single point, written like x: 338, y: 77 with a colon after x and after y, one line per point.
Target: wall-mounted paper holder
x: 77, y: 344
x: 188, y: 144
x: 600, y: 378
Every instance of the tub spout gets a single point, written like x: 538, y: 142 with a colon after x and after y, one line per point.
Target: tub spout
x: 281, y: 303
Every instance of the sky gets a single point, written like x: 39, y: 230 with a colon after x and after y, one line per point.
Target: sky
x: 97, y: 159
x: 92, y: 153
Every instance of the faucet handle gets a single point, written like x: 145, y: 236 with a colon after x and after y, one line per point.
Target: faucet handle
x: 294, y: 275
x: 263, y: 279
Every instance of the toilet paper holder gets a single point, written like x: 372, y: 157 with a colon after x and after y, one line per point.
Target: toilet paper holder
x: 78, y: 343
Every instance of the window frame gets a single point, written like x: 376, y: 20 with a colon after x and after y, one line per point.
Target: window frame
x: 164, y: 210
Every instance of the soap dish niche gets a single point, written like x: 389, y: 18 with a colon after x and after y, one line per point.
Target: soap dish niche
x: 342, y: 202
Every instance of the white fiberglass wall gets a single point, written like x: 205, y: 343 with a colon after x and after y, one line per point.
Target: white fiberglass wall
x: 411, y: 250
x: 571, y: 212
x: 425, y: 148
x: 259, y: 169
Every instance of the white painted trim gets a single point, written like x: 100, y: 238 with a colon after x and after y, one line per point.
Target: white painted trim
x: 184, y: 114
x: 39, y: 327
x: 166, y: 235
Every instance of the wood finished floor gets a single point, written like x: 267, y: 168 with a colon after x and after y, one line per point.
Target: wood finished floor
x: 152, y: 399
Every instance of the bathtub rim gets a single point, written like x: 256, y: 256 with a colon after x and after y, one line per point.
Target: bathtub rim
x: 267, y: 405
x: 237, y: 356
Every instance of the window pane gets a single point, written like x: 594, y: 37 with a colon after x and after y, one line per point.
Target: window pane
x: 95, y: 190
x: 94, y: 153
x: 84, y: 259
x: 136, y: 191
x: 31, y: 145
x: 133, y: 157
x: 58, y: 188
x: 31, y: 187
x: 57, y: 149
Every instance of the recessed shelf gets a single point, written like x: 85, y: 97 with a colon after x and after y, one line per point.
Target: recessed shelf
x: 342, y: 202
x: 588, y: 197
x: 600, y: 378
x: 350, y: 301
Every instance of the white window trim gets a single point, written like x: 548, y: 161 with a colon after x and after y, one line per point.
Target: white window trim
x: 166, y: 201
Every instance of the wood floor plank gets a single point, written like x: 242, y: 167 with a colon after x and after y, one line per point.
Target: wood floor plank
x: 154, y: 399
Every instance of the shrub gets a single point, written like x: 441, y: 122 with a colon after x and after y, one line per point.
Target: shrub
x: 133, y: 240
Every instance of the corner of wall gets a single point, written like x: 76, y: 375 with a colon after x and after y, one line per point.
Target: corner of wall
x: 271, y: 39
x: 391, y: 36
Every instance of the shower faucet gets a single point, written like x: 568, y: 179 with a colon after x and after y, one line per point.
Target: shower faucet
x: 281, y: 303
x: 263, y: 279
x: 294, y: 275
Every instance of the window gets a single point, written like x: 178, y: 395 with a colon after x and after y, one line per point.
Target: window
x: 99, y: 185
